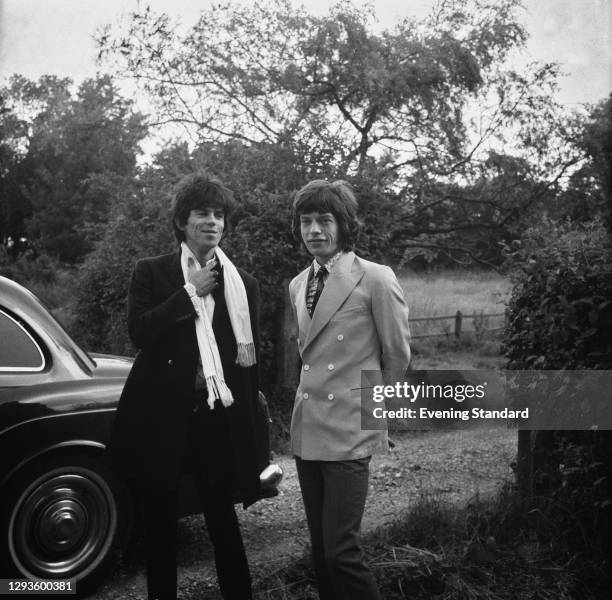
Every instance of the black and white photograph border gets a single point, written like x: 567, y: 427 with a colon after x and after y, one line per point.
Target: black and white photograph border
x: 476, y: 137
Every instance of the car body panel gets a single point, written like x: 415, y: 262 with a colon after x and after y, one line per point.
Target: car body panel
x: 38, y: 418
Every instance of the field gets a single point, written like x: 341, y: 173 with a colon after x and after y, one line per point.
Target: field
x: 446, y: 292
x: 442, y: 294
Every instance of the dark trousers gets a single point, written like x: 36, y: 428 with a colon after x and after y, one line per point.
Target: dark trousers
x: 334, y: 494
x: 206, y: 457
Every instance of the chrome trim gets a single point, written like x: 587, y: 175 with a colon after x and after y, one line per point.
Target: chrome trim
x: 71, y: 443
x: 36, y: 344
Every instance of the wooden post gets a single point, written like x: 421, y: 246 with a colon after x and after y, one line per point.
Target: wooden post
x: 524, y: 466
x: 458, y: 320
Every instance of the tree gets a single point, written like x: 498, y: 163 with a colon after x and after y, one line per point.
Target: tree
x: 587, y: 191
x: 14, y: 207
x: 271, y: 73
x: 597, y: 144
x: 72, y: 151
x: 418, y: 109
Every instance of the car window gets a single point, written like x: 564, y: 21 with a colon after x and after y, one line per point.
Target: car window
x: 19, y: 351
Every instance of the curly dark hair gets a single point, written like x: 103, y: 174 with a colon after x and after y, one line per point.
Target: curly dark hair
x: 197, y: 192
x: 334, y: 197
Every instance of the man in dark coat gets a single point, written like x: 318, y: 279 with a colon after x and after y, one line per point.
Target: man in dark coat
x: 189, y: 402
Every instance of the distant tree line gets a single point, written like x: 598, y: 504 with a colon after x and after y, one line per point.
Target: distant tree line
x: 65, y: 153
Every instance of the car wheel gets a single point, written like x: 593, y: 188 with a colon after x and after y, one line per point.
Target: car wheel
x: 63, y: 517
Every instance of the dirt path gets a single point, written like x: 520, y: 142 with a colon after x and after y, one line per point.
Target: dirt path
x: 449, y: 465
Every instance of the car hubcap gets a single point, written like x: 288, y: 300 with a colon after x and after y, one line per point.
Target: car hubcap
x: 63, y: 524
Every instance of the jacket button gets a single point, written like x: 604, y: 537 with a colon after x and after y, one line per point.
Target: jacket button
x: 306, y: 367
x: 170, y: 362
x: 305, y: 396
x: 330, y: 396
x: 330, y: 367
x: 340, y: 337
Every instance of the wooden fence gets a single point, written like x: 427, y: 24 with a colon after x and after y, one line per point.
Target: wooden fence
x: 458, y: 321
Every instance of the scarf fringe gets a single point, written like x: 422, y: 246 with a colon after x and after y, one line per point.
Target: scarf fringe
x: 217, y: 389
x: 245, y: 356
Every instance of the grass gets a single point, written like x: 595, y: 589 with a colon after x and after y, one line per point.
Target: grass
x: 475, y: 294
x: 446, y: 292
x: 473, y: 351
x: 493, y: 549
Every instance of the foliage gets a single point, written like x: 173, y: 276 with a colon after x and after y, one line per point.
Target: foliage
x: 409, y: 115
x: 597, y: 143
x: 37, y: 273
x: 70, y: 152
x: 13, y: 210
x: 560, y: 317
x: 262, y: 243
x: 588, y: 191
x: 269, y: 71
x: 560, y: 312
x: 139, y: 226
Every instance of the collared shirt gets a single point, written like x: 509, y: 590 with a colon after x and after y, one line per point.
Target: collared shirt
x: 328, y: 265
x: 311, y: 288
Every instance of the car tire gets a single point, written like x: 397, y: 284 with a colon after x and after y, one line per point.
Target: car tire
x: 62, y: 518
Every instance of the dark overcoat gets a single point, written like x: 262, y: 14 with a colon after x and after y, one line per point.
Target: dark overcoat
x: 150, y: 432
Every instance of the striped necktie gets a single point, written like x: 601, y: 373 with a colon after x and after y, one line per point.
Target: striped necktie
x: 315, y: 287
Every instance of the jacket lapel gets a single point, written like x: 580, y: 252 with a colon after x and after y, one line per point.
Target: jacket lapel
x: 303, y: 319
x: 337, y: 288
x: 175, y: 272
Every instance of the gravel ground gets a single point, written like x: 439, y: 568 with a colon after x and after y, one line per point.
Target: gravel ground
x: 452, y: 466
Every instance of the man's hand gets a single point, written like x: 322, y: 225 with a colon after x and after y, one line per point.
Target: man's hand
x: 205, y: 280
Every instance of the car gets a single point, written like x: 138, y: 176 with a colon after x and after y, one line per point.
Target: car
x: 63, y: 512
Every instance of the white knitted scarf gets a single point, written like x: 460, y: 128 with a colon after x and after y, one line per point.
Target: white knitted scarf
x: 238, y: 309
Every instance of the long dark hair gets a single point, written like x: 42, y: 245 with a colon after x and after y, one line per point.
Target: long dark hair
x: 334, y: 197
x: 196, y: 192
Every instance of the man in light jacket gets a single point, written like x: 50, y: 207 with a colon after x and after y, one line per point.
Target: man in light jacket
x: 351, y: 316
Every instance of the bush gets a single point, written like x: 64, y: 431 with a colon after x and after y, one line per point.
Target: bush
x: 560, y: 311
x: 495, y: 548
x: 560, y: 317
x: 48, y: 279
x: 141, y: 229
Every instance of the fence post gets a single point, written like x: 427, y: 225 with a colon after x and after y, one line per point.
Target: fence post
x: 524, y: 466
x: 458, y: 320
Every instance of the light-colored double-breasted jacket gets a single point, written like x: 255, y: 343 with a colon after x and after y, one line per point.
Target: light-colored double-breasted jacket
x: 360, y: 323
